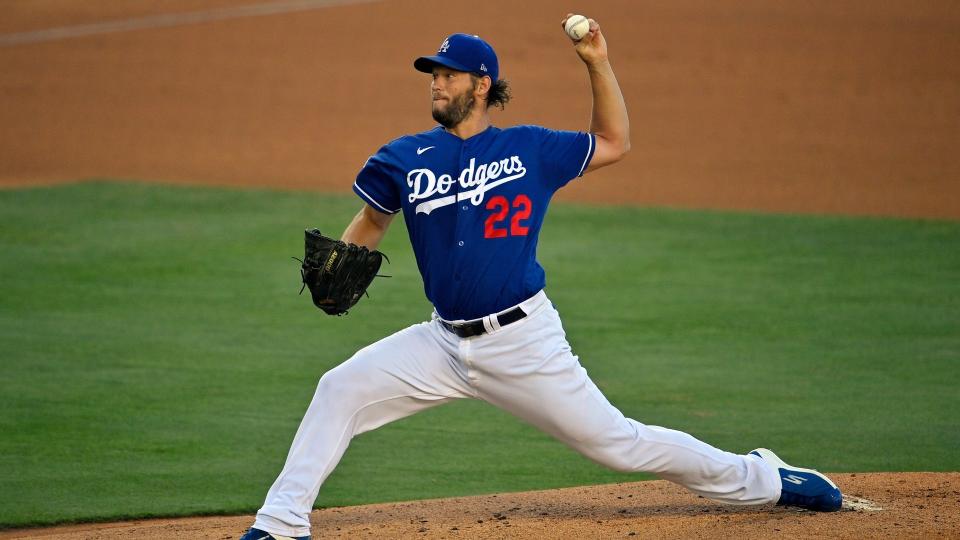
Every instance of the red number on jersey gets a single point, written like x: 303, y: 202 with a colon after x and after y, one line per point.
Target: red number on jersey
x: 524, y: 207
x: 522, y: 201
x: 490, y: 230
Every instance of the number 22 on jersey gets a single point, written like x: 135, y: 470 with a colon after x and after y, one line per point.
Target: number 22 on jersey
x: 494, y: 226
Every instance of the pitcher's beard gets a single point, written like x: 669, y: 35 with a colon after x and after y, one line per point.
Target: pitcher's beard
x: 457, y: 109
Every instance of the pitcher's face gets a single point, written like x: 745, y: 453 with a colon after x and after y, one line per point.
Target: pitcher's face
x: 453, y: 96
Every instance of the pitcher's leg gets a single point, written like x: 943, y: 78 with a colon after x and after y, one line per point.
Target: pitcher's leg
x: 537, y: 378
x: 388, y: 380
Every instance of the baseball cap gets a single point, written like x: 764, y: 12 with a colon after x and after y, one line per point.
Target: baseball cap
x: 462, y: 52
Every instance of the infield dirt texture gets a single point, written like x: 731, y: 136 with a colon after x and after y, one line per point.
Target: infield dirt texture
x: 816, y: 108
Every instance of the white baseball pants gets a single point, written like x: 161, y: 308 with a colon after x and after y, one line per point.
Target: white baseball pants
x: 526, y: 369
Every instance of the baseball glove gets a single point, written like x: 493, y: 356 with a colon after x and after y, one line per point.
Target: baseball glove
x: 336, y: 273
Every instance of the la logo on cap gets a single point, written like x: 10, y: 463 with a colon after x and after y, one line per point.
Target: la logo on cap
x: 444, y: 46
x: 483, y: 67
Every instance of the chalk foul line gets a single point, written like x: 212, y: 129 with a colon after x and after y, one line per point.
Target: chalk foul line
x: 170, y: 19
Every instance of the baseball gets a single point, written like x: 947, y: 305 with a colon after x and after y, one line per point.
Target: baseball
x: 577, y: 26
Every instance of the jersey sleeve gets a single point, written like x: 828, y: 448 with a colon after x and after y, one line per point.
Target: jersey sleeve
x: 565, y: 155
x: 376, y: 183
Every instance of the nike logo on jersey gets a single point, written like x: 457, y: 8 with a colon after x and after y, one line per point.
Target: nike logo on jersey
x: 475, y: 179
x: 422, y: 150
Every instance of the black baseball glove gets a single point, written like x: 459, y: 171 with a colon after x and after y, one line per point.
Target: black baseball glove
x: 336, y: 273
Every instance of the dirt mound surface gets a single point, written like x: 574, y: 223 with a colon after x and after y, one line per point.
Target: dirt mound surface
x: 901, y: 505
x: 821, y: 106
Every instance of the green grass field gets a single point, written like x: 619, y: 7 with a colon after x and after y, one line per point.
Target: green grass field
x: 157, y: 359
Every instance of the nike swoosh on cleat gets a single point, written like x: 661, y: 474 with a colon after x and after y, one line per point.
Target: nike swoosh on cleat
x: 422, y: 150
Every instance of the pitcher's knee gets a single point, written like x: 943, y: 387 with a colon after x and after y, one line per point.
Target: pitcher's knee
x: 335, y: 390
x: 622, y: 451
x: 608, y: 453
x: 617, y: 461
x: 353, y: 385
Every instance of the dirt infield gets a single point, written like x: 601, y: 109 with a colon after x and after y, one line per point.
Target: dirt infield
x: 826, y: 107
x: 908, y: 505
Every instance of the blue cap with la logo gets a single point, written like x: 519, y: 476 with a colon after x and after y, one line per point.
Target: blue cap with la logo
x: 462, y: 52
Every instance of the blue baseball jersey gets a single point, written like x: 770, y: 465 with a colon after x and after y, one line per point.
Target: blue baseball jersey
x: 474, y: 208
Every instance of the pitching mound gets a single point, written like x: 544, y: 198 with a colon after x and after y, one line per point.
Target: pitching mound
x: 914, y: 505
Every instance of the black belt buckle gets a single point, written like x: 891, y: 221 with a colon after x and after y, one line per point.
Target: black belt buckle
x: 476, y: 328
x: 465, y: 330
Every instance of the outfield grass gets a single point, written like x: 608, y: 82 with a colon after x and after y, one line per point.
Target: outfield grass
x: 157, y: 359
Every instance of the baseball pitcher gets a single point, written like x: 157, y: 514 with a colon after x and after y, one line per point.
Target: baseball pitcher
x: 474, y: 197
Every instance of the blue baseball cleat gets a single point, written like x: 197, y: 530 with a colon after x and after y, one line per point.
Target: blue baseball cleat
x: 805, y: 488
x: 257, y: 534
